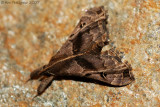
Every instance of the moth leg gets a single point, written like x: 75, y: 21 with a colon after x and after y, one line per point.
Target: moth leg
x: 45, y: 83
x: 121, y: 79
x: 124, y: 65
x: 116, y: 70
x: 119, y: 69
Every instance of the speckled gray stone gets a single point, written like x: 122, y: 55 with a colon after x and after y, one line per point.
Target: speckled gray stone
x: 31, y: 34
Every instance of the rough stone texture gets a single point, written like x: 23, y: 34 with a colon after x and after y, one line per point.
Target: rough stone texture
x: 30, y: 34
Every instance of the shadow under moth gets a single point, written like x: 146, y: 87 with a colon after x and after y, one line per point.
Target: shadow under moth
x: 81, y: 57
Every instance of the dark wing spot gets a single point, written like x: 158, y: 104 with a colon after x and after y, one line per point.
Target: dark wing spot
x: 126, y: 73
x: 81, y: 25
x: 77, y: 43
x: 99, y: 11
x: 85, y: 64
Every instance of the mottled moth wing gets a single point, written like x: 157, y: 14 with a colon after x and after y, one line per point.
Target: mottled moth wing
x: 90, y: 34
x: 103, y: 67
x: 114, y: 72
x: 81, y: 56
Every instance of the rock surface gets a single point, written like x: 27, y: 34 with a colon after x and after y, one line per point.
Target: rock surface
x: 31, y: 33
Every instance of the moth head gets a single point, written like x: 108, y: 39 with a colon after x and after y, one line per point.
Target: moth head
x: 92, y: 15
x: 95, y: 11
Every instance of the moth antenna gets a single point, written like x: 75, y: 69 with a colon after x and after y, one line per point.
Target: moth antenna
x: 27, y: 81
x: 35, y: 96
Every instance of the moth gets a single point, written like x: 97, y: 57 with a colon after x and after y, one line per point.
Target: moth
x: 81, y: 56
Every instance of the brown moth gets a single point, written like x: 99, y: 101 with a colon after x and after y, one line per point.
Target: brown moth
x: 81, y: 56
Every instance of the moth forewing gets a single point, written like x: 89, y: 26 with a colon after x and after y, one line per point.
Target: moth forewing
x: 81, y: 55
